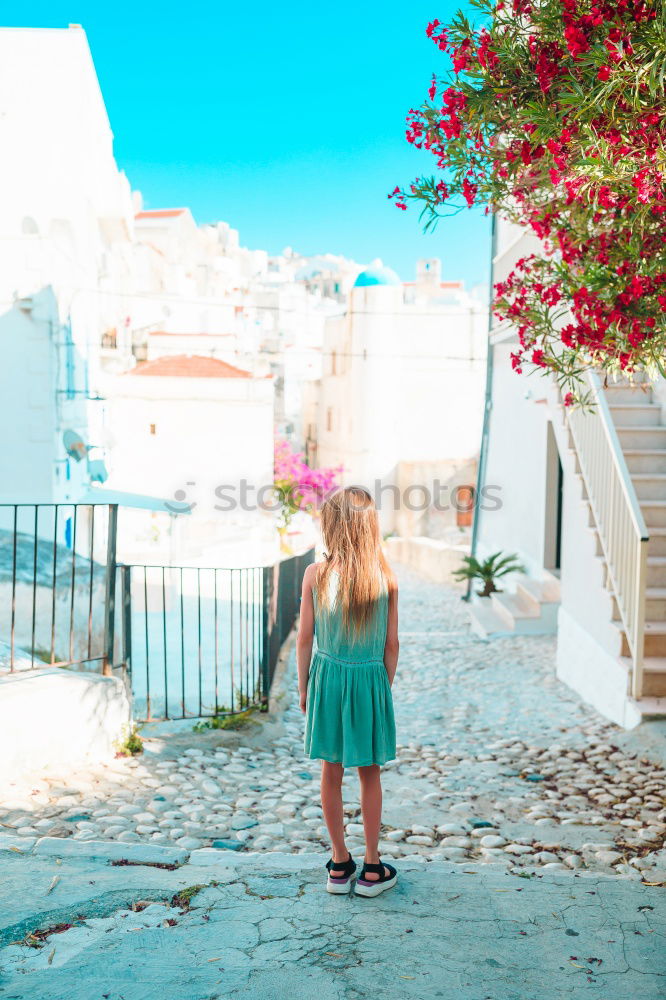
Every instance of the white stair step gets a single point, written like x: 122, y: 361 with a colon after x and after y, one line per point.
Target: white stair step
x: 657, y: 541
x: 655, y: 605
x: 654, y: 677
x: 522, y: 618
x: 656, y: 571
x: 626, y: 392
x: 650, y: 708
x: 655, y: 664
x: 536, y: 593
x: 552, y: 586
x: 654, y: 639
x: 485, y: 622
x: 636, y: 414
x: 641, y: 437
x: 649, y: 485
x: 512, y: 608
x: 654, y: 512
x: 645, y: 460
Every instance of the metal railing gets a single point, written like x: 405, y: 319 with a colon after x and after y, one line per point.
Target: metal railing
x: 617, y: 514
x: 57, y: 585
x: 202, y: 642
x: 195, y: 641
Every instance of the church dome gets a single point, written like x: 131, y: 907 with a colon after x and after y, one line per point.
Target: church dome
x: 376, y: 275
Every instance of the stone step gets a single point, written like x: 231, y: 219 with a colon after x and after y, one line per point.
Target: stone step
x: 536, y: 593
x: 654, y: 642
x: 654, y: 512
x: 656, y: 571
x: 649, y: 485
x: 627, y: 392
x: 641, y: 438
x: 551, y: 584
x: 521, y: 616
x: 636, y: 414
x: 657, y: 542
x: 512, y: 608
x: 646, y: 460
x: 649, y: 708
x: 655, y: 605
x: 485, y: 622
x: 654, y: 677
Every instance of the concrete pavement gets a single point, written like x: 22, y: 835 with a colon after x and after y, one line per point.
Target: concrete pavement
x: 261, y: 926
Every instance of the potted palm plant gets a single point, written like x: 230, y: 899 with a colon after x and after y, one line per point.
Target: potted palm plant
x: 489, y: 571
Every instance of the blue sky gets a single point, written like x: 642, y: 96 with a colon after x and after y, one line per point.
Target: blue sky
x: 285, y: 120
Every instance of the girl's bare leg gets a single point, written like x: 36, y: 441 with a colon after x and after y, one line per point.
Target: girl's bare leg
x: 371, y: 807
x: 331, y: 804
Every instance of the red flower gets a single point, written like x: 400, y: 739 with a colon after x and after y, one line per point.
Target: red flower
x: 604, y: 73
x: 469, y: 192
x: 461, y: 56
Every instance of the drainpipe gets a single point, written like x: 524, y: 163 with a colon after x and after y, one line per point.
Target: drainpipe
x: 488, y: 405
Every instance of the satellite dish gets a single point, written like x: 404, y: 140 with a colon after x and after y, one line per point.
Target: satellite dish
x: 75, y: 446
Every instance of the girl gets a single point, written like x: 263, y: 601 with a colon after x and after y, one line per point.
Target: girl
x: 350, y: 603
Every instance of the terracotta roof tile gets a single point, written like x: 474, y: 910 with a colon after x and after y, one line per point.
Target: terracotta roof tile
x: 189, y: 366
x: 160, y: 213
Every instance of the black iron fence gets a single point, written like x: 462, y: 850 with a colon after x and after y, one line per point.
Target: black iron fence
x: 194, y: 641
x: 57, y: 585
x: 205, y: 641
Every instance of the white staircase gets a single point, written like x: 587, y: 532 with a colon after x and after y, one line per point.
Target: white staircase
x: 620, y: 454
x: 642, y: 434
x: 530, y: 610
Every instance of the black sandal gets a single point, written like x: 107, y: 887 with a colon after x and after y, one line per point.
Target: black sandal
x: 341, y: 883
x: 373, y: 887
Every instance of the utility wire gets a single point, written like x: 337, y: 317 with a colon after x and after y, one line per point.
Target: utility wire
x: 217, y: 304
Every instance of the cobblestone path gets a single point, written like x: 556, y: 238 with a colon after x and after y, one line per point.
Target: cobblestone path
x: 497, y: 762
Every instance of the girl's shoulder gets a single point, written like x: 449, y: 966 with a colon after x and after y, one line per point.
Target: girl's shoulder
x: 310, y: 574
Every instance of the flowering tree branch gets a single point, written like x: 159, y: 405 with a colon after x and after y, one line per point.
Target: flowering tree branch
x: 554, y: 114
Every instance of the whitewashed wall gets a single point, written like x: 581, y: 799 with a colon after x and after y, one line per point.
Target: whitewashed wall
x: 400, y: 383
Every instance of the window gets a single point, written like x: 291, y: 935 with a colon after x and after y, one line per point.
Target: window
x: 329, y: 419
x: 333, y: 361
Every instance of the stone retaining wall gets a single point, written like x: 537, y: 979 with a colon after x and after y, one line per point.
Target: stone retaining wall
x: 58, y: 716
x: 434, y: 559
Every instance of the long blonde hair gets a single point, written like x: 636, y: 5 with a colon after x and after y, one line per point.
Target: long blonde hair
x: 350, y: 528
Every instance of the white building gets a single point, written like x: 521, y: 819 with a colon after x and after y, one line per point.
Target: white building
x: 194, y: 430
x: 66, y: 222
x: 578, y: 493
x: 401, y: 396
x: 92, y: 281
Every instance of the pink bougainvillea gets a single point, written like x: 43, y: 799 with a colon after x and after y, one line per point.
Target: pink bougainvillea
x: 554, y: 115
x: 297, y: 485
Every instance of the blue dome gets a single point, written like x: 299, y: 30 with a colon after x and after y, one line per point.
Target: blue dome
x: 377, y: 276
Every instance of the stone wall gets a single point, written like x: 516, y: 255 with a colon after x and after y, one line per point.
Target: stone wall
x: 435, y: 559
x: 58, y: 716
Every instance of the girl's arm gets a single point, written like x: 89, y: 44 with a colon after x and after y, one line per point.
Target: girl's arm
x: 305, y: 636
x: 392, y: 645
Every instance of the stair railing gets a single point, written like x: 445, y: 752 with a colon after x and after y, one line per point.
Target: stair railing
x: 617, y: 514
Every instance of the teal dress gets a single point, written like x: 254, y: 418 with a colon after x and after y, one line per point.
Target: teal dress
x: 349, y: 708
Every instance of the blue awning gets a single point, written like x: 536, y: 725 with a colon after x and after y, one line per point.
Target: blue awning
x: 137, y: 500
